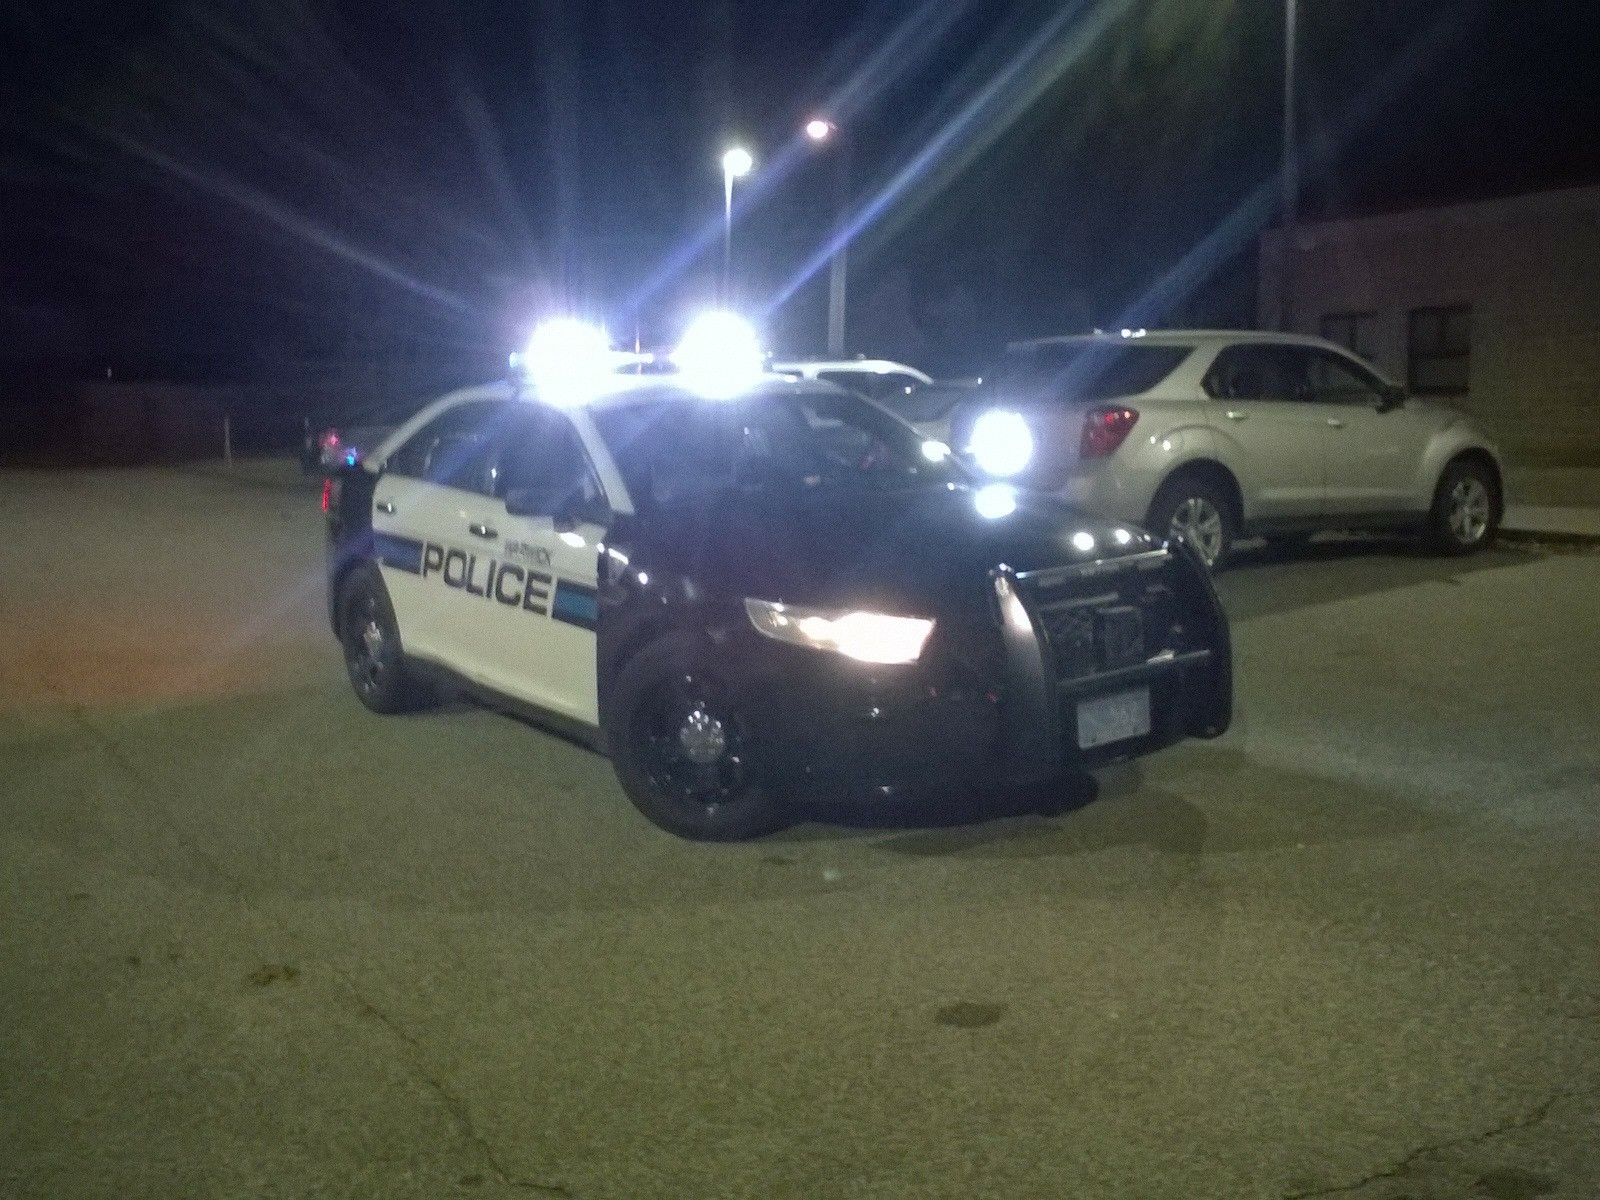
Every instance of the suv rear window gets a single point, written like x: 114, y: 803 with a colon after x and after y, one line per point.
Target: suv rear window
x: 1075, y: 371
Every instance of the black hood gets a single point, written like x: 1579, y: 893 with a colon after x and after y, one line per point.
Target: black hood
x: 913, y: 552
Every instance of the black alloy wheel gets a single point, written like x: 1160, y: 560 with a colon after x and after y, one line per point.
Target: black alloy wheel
x: 371, y: 641
x: 684, y: 749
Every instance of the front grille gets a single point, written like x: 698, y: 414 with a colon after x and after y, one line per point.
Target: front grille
x: 1106, y: 616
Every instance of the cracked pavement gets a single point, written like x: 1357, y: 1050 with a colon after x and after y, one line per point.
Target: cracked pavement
x: 257, y: 942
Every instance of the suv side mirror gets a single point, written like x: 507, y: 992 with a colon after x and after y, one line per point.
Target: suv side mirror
x: 1391, y: 398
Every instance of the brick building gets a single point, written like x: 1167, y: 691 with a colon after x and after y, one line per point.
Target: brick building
x: 1495, y: 305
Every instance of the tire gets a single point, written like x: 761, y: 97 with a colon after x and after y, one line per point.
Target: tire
x: 1193, y: 506
x: 373, y: 657
x: 1466, y: 508
x: 684, y: 749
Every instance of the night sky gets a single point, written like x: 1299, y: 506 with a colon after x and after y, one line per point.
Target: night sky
x: 198, y: 187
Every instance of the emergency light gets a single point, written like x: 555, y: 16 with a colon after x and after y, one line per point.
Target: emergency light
x: 569, y: 361
x: 720, y: 355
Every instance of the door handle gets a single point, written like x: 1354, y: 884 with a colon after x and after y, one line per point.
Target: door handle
x: 482, y: 531
x: 1235, y: 415
x: 384, y: 506
x: 1335, y: 422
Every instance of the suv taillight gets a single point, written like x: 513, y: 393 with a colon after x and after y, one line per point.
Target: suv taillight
x: 1104, y: 429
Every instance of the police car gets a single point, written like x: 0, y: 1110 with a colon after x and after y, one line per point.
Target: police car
x: 749, y: 590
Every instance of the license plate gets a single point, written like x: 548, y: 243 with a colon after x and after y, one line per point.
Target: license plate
x: 1112, y: 718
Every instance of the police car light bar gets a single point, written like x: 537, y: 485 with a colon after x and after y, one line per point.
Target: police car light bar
x: 569, y: 361
x: 720, y: 355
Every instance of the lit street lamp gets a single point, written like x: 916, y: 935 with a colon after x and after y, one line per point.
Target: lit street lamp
x: 736, y: 164
x: 822, y: 131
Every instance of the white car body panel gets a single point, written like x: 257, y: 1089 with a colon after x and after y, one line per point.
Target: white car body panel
x: 527, y: 656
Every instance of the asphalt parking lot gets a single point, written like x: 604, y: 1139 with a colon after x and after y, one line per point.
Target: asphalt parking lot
x: 257, y: 942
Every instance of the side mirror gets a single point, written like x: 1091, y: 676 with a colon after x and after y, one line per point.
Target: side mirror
x: 1391, y: 398
x: 577, y: 508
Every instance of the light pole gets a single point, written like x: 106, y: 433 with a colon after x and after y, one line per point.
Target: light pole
x: 736, y: 164
x: 1291, y: 174
x: 822, y: 131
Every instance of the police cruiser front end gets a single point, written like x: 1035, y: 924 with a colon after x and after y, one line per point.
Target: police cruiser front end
x: 751, y: 591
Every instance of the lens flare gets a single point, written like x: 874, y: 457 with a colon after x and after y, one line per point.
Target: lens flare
x: 720, y: 355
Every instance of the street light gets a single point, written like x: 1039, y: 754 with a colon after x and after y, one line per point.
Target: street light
x: 821, y: 131
x: 1291, y: 174
x: 736, y: 164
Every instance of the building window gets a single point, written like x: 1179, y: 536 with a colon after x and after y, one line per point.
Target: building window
x: 1354, y: 331
x: 1439, y: 348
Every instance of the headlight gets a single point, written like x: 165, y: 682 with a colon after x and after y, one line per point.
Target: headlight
x: 866, y: 637
x: 1001, y: 443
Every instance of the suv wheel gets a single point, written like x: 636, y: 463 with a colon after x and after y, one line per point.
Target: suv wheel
x: 1464, y: 511
x: 1195, y: 509
x: 371, y: 640
x: 685, y: 749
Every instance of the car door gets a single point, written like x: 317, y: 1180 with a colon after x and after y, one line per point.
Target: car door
x: 536, y: 638
x: 428, y: 501
x: 1270, y: 430
x: 1375, y: 446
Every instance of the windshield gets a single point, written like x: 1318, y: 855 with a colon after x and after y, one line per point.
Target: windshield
x: 1085, y: 371
x: 675, y: 446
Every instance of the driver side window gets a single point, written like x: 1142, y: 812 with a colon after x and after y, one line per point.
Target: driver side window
x: 542, y: 461
x: 1335, y: 380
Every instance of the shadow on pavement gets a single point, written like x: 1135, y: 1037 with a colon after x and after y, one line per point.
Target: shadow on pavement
x: 1268, y: 580
x: 1235, y: 803
x: 957, y: 811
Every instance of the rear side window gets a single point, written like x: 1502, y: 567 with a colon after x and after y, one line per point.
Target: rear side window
x: 1259, y: 372
x: 1070, y: 372
x: 455, y: 449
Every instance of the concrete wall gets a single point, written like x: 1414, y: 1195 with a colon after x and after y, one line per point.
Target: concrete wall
x: 1530, y: 268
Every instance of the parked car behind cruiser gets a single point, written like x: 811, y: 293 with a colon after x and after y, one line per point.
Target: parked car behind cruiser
x: 347, y: 443
x: 1220, y: 434
x: 759, y: 597
x: 875, y: 378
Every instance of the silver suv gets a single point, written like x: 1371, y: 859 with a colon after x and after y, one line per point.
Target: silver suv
x: 1217, y: 434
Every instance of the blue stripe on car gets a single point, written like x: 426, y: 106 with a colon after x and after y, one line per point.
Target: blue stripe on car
x: 403, y: 554
x: 575, y: 604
